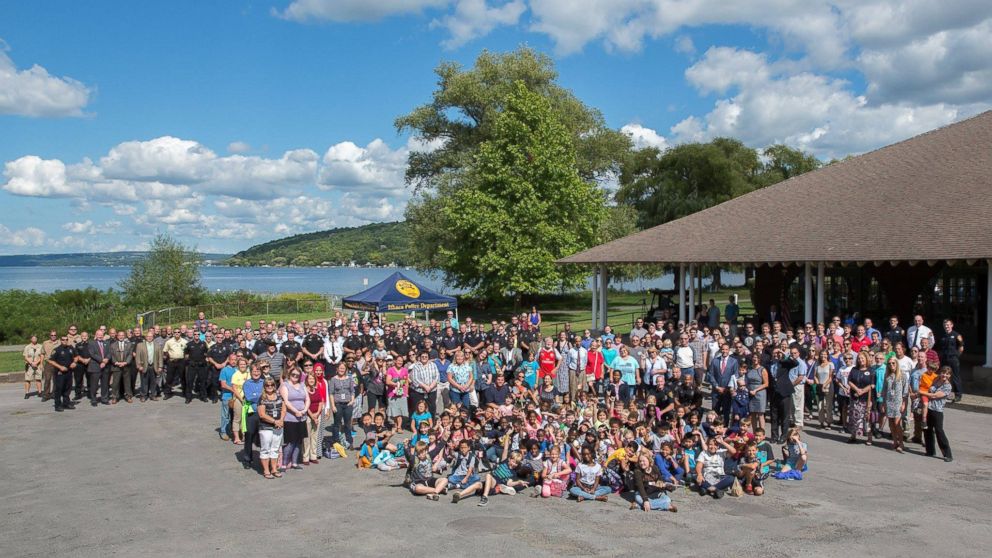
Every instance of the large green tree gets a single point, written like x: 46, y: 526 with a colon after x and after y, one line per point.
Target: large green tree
x: 498, y: 225
x: 691, y: 177
x: 462, y: 112
x: 169, y: 275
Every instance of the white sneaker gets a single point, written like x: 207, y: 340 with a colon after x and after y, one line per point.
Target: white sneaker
x: 507, y: 489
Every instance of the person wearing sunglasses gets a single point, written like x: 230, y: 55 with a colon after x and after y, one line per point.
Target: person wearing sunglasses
x: 271, y: 415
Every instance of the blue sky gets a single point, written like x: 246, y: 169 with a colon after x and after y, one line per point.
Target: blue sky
x: 231, y: 123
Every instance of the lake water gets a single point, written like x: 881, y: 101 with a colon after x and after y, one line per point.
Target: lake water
x: 328, y: 280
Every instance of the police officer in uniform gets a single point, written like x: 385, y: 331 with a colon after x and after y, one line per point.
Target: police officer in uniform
x: 216, y: 359
x: 82, y: 362
x: 313, y: 346
x: 174, y: 351
x: 949, y: 348
x: 292, y: 350
x: 62, y: 358
x: 196, y: 369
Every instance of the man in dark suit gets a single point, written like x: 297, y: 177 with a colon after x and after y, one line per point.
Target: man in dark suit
x: 721, y: 370
x: 121, y: 358
x: 98, y: 368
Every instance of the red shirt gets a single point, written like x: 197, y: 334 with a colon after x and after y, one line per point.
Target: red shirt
x: 594, y: 365
x: 857, y: 344
x: 317, y: 398
x: 547, y: 361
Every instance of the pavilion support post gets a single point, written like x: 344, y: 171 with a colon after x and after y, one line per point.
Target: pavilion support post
x: 807, y: 292
x: 595, y: 299
x: 820, y: 288
x: 692, y: 292
x: 604, y: 282
x: 988, y: 317
x: 680, y: 284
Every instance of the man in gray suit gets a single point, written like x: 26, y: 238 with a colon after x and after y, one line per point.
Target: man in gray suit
x: 98, y: 368
x: 148, y: 361
x: 121, y: 357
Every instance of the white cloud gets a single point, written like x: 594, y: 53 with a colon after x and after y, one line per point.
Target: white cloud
x: 165, y: 159
x: 354, y: 10
x: 773, y: 104
x: 87, y: 227
x: 35, y: 92
x: 170, y: 160
x: 472, y: 19
x: 951, y: 66
x: 238, y: 147
x: 76, y: 227
x: 375, y: 167
x: 644, y: 137
x: 33, y: 176
x: 684, y: 45
x: 465, y: 20
x: 625, y: 24
x: 28, y: 236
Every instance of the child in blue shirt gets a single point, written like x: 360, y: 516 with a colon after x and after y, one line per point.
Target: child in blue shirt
x: 422, y: 415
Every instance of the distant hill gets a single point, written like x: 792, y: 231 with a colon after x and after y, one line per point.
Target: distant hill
x: 376, y: 244
x: 87, y: 259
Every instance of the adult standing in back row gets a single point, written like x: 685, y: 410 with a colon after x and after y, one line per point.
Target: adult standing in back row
x: 949, y: 348
x: 98, y: 368
x: 61, y: 359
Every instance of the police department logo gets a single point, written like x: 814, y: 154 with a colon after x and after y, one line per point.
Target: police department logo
x: 407, y: 288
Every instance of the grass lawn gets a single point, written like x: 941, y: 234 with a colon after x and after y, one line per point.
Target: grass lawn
x: 11, y: 362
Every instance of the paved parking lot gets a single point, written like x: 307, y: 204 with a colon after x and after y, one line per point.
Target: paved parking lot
x: 153, y: 479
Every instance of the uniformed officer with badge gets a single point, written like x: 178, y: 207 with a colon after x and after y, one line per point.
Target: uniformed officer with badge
x: 196, y: 369
x: 949, y: 348
x: 63, y: 356
x: 216, y: 359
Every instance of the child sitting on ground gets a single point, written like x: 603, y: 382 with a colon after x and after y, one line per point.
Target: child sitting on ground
x: 423, y: 482
x: 379, y: 454
x: 794, y: 453
x: 749, y: 470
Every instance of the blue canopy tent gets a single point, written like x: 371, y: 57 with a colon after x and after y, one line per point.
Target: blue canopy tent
x: 397, y: 293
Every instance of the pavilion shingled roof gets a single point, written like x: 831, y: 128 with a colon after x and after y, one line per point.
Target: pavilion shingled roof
x: 928, y: 198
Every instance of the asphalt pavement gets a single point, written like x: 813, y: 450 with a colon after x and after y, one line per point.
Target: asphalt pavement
x: 153, y: 479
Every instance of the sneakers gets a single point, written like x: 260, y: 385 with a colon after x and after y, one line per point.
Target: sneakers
x: 432, y: 497
x: 483, y: 502
x: 506, y: 489
x: 455, y: 496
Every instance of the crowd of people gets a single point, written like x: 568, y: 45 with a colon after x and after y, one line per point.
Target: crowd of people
x: 501, y: 408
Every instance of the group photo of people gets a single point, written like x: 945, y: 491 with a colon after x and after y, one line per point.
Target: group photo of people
x: 474, y: 410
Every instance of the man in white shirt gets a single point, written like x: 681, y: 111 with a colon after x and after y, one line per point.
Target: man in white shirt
x: 333, y: 347
x: 684, y: 355
x: 918, y: 331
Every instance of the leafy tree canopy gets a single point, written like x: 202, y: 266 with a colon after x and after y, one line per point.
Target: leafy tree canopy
x: 691, y: 177
x: 169, y: 275
x: 498, y: 226
x: 466, y: 102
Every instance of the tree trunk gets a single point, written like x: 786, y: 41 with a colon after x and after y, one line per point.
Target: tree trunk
x: 716, y: 285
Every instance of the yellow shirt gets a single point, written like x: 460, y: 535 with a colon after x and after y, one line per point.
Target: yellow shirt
x: 238, y: 382
x: 176, y: 349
